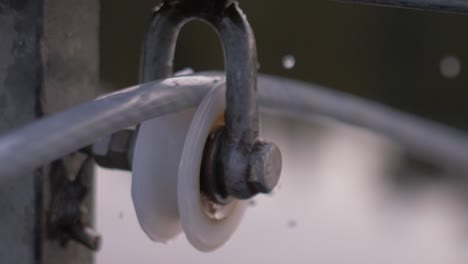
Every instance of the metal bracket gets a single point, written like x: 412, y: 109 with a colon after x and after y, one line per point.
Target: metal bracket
x: 115, y: 151
x: 67, y: 218
x: 245, y: 165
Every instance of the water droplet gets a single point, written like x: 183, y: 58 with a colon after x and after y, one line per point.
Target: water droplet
x: 450, y: 67
x: 252, y: 203
x: 292, y: 224
x: 289, y: 61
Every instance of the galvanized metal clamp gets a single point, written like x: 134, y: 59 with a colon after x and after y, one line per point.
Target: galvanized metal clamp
x: 236, y: 162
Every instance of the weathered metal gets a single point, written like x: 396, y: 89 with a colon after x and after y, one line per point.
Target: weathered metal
x: 48, y: 62
x: 20, y: 82
x: 70, y: 75
x: 456, y: 6
x: 239, y: 148
x: 68, y: 215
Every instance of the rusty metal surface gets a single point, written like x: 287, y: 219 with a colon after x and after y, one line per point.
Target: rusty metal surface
x: 68, y: 215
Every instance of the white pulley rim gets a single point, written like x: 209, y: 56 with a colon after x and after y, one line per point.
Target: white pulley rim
x: 204, y: 232
x: 157, y: 154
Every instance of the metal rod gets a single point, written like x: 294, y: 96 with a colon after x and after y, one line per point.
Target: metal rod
x: 452, y: 6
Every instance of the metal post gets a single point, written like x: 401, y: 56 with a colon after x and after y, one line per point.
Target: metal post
x: 48, y: 61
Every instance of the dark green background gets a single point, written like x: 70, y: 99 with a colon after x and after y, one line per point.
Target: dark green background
x: 386, y: 54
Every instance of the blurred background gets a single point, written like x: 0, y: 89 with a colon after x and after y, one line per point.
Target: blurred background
x: 410, y: 60
x: 346, y: 195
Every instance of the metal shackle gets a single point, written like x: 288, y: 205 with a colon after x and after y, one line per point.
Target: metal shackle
x: 238, y: 164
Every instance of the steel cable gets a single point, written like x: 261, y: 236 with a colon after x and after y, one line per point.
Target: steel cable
x: 57, y: 135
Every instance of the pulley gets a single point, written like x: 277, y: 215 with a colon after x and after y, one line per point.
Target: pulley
x: 196, y: 166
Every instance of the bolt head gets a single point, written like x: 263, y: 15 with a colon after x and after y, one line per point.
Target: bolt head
x: 265, y: 167
x: 113, y: 151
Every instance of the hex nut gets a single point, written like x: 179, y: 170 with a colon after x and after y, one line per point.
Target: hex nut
x: 265, y: 167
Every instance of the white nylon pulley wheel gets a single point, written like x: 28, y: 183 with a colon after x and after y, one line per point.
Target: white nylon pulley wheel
x: 206, y: 225
x: 157, y: 154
